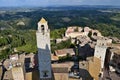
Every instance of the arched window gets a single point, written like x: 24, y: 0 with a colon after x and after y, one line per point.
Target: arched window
x: 94, y: 34
x: 42, y: 28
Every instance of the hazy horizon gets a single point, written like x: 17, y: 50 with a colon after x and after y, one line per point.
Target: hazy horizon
x: 45, y: 3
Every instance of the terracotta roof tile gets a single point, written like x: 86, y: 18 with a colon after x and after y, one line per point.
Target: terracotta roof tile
x: 64, y: 51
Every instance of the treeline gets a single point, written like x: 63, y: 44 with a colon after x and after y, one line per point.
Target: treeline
x: 20, y: 40
x: 59, y: 19
x: 57, y: 33
x: 25, y: 41
x: 18, y: 30
x: 107, y: 23
x: 107, y: 29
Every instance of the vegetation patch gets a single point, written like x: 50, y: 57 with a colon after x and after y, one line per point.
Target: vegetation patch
x: 116, y: 17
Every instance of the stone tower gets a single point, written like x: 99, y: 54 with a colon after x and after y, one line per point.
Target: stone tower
x: 43, y: 44
x: 101, y: 49
x: 100, y: 52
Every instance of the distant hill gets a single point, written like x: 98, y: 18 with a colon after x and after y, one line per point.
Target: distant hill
x: 60, y: 17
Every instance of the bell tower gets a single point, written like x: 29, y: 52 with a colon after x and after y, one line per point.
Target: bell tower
x: 44, y: 50
x: 43, y: 26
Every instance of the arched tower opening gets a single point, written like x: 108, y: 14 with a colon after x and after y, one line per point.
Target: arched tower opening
x: 94, y: 34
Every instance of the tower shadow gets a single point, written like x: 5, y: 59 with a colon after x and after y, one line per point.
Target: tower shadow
x: 44, y: 62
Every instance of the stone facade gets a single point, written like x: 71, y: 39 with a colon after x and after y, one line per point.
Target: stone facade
x: 18, y: 73
x: 114, y: 60
x: 1, y: 71
x: 74, y: 31
x: 100, y: 51
x: 103, y: 41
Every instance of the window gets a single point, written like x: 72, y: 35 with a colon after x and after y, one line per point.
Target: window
x: 42, y: 28
x: 45, y: 73
x: 102, y: 44
x: 94, y: 34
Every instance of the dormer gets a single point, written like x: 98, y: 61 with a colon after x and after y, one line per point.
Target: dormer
x: 42, y: 25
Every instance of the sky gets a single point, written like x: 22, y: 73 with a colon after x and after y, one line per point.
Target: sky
x: 44, y: 3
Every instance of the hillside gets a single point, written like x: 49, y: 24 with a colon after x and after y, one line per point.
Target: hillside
x: 17, y: 26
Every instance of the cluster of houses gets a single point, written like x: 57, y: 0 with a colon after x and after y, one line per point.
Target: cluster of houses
x: 99, y: 58
x: 96, y: 49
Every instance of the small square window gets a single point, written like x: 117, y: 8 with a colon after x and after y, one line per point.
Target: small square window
x: 45, y: 73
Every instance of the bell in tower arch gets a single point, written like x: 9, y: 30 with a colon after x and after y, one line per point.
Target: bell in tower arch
x: 42, y: 26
